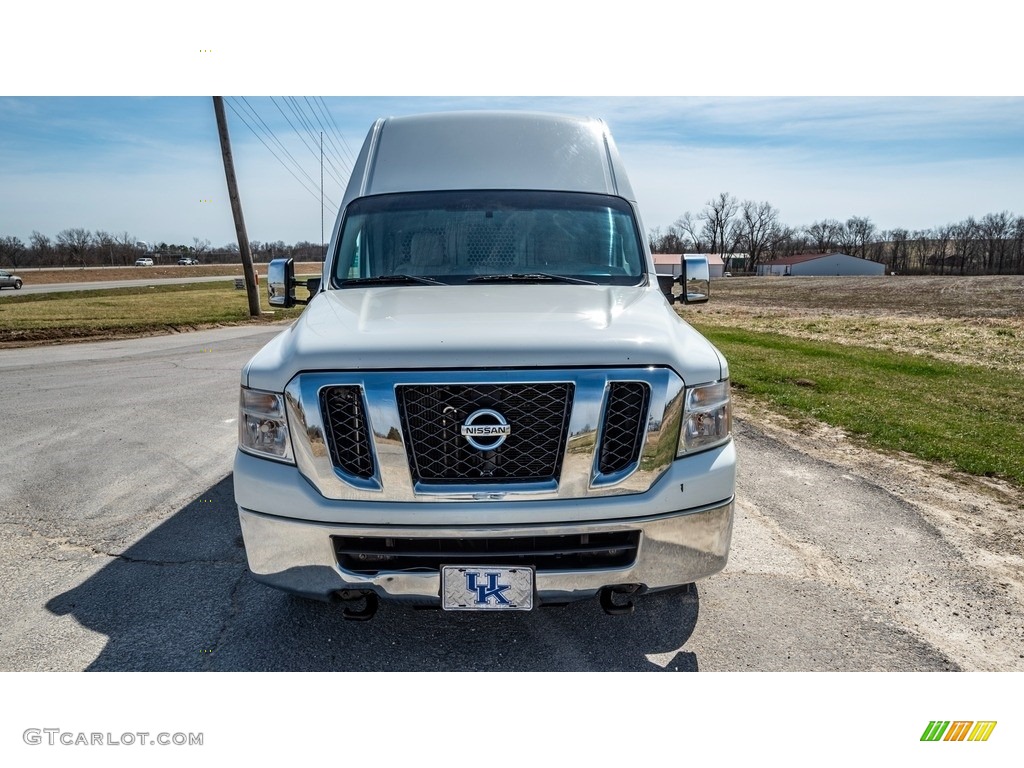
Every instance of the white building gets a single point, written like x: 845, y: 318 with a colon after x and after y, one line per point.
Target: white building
x: 672, y: 263
x: 668, y: 263
x: 821, y: 265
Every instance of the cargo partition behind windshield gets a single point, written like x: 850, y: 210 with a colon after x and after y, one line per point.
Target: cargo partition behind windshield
x: 454, y: 236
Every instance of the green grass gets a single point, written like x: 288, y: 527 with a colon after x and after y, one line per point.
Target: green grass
x: 969, y: 416
x: 126, y: 311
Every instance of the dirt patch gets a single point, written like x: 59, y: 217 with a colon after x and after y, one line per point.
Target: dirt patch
x: 982, y: 517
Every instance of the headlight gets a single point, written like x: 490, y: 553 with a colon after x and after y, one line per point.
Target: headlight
x: 707, y: 417
x: 263, y: 426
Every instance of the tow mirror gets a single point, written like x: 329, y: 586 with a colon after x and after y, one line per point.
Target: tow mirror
x: 281, y: 284
x: 696, y: 279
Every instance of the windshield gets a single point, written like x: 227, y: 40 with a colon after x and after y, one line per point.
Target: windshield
x: 458, y: 237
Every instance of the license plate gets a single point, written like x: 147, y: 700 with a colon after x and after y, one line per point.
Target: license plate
x: 486, y: 588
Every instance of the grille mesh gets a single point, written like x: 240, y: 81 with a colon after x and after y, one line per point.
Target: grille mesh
x: 624, y: 423
x: 432, y: 417
x: 576, y: 552
x: 347, y: 435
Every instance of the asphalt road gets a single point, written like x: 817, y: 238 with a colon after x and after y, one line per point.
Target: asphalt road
x: 122, y: 551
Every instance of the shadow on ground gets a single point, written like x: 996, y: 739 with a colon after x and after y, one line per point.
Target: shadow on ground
x: 181, y: 599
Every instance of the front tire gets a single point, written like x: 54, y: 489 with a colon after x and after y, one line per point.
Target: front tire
x: 17, y: 285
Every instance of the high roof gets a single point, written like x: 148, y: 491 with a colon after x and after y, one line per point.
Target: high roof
x: 488, y: 150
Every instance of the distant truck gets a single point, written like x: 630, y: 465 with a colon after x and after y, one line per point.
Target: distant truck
x: 487, y: 404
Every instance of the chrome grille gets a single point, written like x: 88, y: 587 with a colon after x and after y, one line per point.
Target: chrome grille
x: 624, y: 421
x: 347, y: 435
x: 432, y: 416
x: 576, y: 552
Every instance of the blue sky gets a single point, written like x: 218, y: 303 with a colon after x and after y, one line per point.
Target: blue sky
x: 149, y: 164
x: 912, y: 119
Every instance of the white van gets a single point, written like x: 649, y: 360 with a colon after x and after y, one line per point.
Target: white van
x: 488, y: 403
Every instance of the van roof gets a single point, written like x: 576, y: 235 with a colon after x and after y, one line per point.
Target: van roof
x: 488, y: 150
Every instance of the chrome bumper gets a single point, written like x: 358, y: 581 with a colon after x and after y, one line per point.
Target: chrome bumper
x: 675, y: 548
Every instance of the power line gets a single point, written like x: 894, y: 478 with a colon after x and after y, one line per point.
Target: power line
x: 348, y: 150
x: 270, y: 133
x: 296, y: 164
x: 300, y: 113
x: 313, y: 108
x: 297, y: 132
x: 269, y: 149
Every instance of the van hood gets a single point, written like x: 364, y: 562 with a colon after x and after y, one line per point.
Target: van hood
x: 485, y: 326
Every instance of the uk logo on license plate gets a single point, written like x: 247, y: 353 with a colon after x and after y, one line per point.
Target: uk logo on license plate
x: 484, y: 588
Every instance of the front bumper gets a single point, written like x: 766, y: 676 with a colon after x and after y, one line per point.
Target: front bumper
x: 299, y: 556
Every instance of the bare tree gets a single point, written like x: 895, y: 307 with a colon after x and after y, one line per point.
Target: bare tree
x: 757, y: 228
x: 654, y: 238
x: 11, y: 249
x: 127, y: 248
x: 965, y: 239
x: 899, y: 249
x: 941, y: 246
x: 996, y: 230
x: 919, y: 250
x: 42, y: 248
x: 201, y: 246
x: 1017, y: 256
x: 717, y: 217
x: 825, y: 235
x: 672, y: 241
x: 860, y: 232
x: 103, y: 244
x: 75, y: 243
x: 690, y: 233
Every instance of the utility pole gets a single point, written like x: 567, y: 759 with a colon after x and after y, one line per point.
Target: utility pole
x: 321, y: 195
x: 251, y: 289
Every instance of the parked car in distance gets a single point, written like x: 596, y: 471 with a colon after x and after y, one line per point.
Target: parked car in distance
x: 145, y: 261
x: 8, y: 280
x: 187, y: 261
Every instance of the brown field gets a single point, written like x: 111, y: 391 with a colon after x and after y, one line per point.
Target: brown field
x: 977, y: 320
x: 95, y: 274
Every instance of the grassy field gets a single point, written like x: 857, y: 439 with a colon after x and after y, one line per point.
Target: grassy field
x: 120, y: 312
x: 930, y: 366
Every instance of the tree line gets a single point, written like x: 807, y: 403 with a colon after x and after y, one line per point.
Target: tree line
x: 78, y: 247
x: 990, y: 245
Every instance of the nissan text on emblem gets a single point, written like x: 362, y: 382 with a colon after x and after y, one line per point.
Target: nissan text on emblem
x: 485, y: 429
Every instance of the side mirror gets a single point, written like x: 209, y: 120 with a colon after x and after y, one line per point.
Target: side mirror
x: 696, y: 280
x: 281, y: 284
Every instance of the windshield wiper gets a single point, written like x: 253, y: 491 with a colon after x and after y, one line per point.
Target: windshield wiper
x: 529, y: 277
x: 390, y: 280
